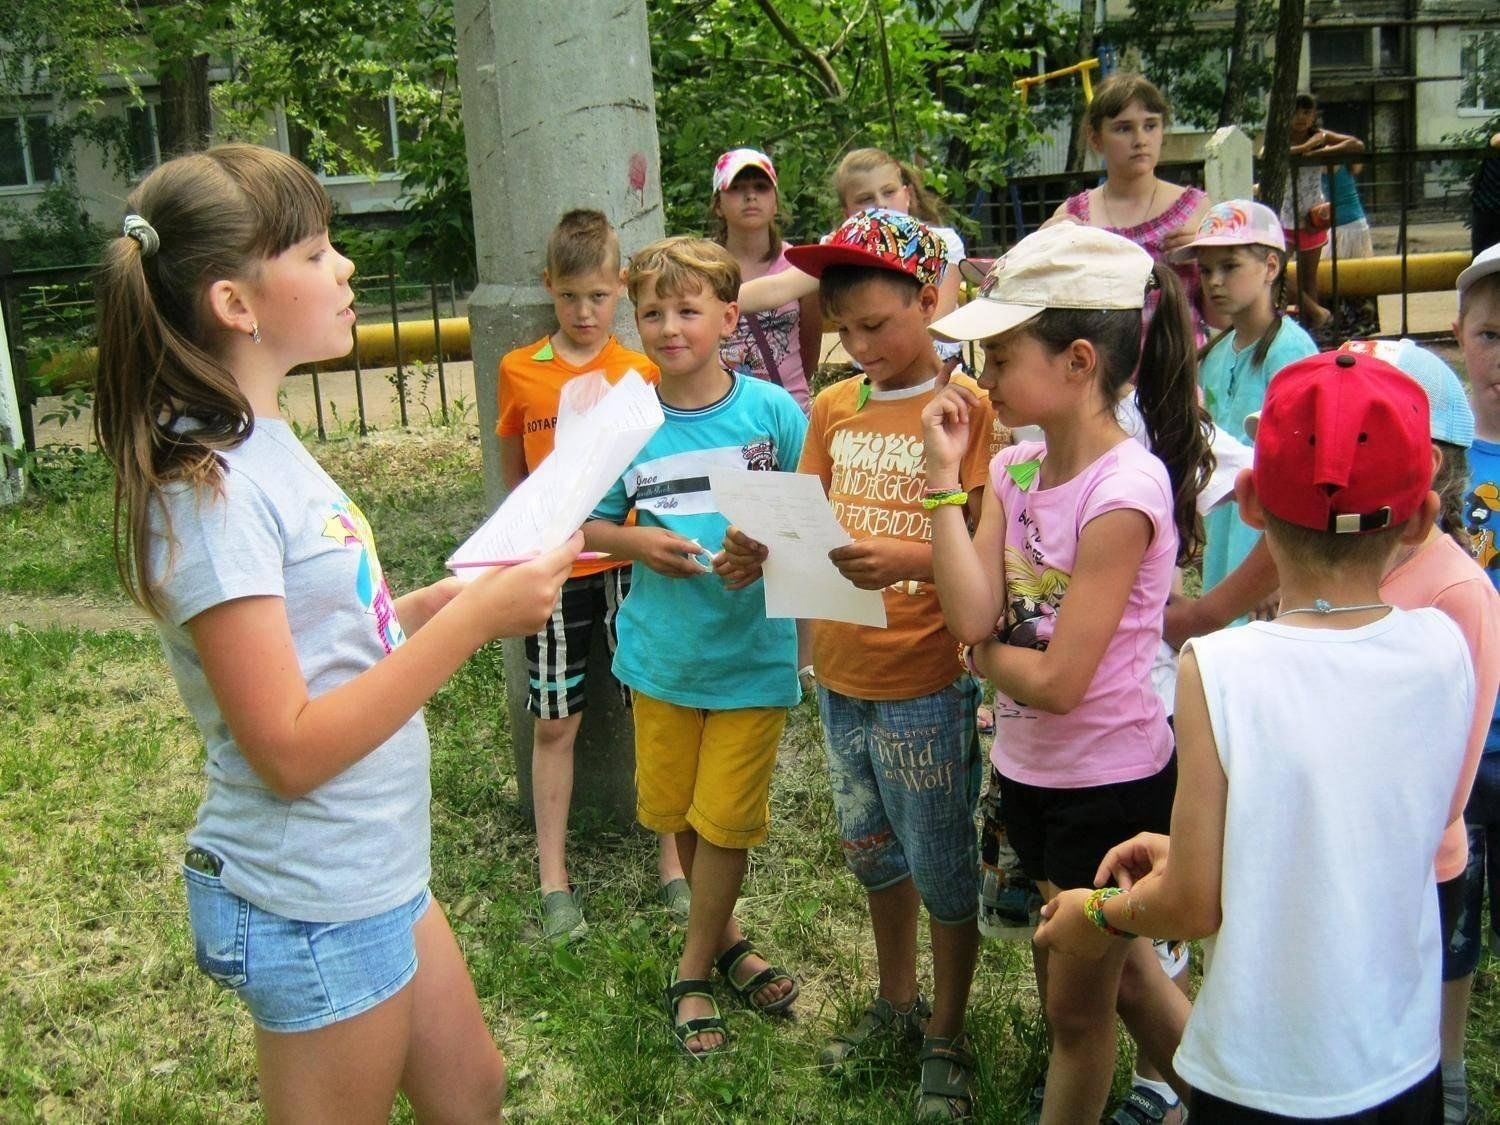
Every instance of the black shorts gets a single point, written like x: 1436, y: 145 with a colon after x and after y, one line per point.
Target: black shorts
x: 557, y: 658
x: 1421, y: 1104
x: 1061, y: 835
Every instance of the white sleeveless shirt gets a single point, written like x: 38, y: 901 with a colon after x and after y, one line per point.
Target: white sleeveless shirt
x: 1342, y: 750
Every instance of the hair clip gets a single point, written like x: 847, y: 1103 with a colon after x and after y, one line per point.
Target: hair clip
x: 1152, y: 281
x: 143, y: 232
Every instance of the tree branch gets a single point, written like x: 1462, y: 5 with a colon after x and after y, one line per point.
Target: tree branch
x: 828, y: 77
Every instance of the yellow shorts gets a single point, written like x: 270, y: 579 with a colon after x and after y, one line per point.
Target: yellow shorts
x: 706, y: 770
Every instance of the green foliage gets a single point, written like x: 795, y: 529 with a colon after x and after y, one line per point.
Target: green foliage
x: 1186, y: 55
x: 55, y: 231
x: 812, y: 89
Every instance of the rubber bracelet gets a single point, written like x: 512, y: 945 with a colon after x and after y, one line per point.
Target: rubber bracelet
x: 806, y: 670
x: 938, y: 500
x: 1093, y: 909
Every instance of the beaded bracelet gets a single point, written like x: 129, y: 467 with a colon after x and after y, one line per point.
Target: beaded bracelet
x: 1093, y: 910
x: 937, y: 497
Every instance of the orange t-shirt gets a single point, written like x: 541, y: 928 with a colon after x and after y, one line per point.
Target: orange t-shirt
x: 530, y: 387
x: 870, y: 459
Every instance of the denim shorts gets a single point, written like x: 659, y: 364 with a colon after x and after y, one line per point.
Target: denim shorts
x: 300, y: 976
x: 905, y: 776
x: 1482, y: 818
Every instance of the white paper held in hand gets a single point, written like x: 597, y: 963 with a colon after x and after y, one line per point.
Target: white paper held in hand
x: 600, y: 428
x: 790, y: 515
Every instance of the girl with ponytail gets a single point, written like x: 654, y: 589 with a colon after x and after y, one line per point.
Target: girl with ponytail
x: 1060, y: 593
x: 306, y: 872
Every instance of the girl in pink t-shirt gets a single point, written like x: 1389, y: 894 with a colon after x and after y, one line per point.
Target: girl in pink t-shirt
x: 1073, y: 557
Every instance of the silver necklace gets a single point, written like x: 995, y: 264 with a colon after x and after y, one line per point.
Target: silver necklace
x: 1109, y: 213
x: 1321, y: 607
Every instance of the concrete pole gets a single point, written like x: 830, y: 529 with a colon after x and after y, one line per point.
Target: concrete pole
x: 12, y: 480
x: 1228, y: 165
x: 559, y: 112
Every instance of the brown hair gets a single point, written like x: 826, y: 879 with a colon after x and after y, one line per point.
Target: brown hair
x: 217, y: 214
x: 718, y: 227
x: 1451, y: 483
x: 582, y: 242
x: 680, y: 266
x: 1329, y: 552
x: 1177, y: 426
x: 1278, y: 304
x: 838, y: 282
x: 925, y: 204
x: 1117, y: 91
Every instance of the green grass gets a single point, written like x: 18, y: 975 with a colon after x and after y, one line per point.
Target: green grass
x: 104, y: 1017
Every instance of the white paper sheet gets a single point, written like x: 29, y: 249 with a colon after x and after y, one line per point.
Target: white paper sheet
x: 789, y: 514
x: 599, y: 431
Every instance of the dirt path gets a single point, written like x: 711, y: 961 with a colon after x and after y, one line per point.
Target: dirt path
x: 90, y: 614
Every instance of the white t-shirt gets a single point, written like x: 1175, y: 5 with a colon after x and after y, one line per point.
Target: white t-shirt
x: 1342, y: 749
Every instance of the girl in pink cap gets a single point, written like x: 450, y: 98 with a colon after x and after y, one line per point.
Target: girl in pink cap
x: 779, y: 344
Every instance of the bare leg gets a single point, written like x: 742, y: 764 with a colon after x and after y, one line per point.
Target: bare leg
x: 430, y: 1039
x: 954, y: 951
x: 1081, y: 1025
x: 552, y: 794
x: 1455, y: 1016
x: 454, y: 1074
x: 1309, y: 309
x: 893, y: 917
x: 668, y: 865
x: 1155, y: 1008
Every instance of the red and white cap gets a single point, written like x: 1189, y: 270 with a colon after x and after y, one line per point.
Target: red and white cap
x: 1343, y: 444
x: 735, y: 161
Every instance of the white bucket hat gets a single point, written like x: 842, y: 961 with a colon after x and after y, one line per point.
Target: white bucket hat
x: 1068, y: 266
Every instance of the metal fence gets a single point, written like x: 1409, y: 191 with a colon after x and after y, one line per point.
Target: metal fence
x: 49, y: 318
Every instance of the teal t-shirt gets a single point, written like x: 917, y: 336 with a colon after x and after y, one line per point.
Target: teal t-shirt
x: 689, y: 641
x: 1482, y: 516
x: 1234, y: 386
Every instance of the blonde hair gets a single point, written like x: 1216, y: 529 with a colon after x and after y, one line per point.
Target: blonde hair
x: 680, y: 266
x: 1117, y: 91
x: 925, y: 204
x: 582, y: 242
x: 217, y: 214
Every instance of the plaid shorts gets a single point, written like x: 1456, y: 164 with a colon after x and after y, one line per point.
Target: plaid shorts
x: 557, y: 658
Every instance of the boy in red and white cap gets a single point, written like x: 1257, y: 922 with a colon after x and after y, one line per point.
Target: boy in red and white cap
x: 1305, y: 825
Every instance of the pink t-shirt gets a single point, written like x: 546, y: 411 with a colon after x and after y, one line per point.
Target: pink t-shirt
x: 1444, y: 576
x: 768, y: 345
x: 1119, y: 731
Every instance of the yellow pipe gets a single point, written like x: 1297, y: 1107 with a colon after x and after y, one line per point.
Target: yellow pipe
x: 377, y: 348
x: 1373, y: 277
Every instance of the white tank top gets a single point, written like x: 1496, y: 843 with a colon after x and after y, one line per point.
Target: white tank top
x: 1342, y: 749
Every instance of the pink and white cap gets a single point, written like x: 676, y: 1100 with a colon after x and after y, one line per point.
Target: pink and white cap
x: 735, y: 161
x: 1236, y: 222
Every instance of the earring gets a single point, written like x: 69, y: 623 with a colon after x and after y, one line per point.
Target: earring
x: 255, y: 333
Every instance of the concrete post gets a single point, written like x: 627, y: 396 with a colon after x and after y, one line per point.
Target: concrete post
x: 1229, y: 165
x: 559, y: 112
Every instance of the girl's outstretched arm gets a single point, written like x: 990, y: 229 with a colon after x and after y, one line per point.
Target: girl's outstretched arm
x: 1110, y: 551
x: 774, y: 290
x: 295, y: 742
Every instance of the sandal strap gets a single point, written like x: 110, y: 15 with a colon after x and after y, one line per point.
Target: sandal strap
x: 688, y: 986
x: 688, y: 1028
x: 730, y: 959
x: 953, y: 1076
x: 769, y: 975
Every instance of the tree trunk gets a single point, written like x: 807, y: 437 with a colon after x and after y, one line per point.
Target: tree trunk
x: 1077, y: 148
x: 184, y: 123
x: 1232, y: 110
x: 1277, y: 153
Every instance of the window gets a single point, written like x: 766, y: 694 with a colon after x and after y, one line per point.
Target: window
x: 145, y: 124
x: 25, y: 151
x: 368, y: 119
x: 1479, y: 73
x: 1338, y: 48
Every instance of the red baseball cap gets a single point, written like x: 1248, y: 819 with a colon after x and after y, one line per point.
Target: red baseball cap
x: 1343, y: 444
x: 887, y: 240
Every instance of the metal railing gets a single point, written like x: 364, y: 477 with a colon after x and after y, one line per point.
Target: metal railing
x: 50, y: 324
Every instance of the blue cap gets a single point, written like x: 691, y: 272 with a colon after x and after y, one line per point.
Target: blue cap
x: 1452, y: 417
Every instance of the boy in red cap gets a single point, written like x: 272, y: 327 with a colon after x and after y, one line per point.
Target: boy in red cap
x: 897, y: 708
x: 1305, y: 826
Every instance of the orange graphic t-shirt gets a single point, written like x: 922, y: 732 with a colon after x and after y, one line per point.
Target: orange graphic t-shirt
x: 871, y: 460
x: 530, y: 387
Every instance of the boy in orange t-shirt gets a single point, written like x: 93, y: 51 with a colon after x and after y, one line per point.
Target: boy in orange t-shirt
x: 583, y: 277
